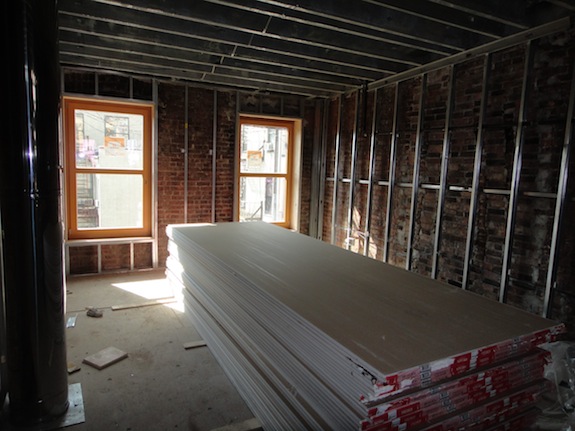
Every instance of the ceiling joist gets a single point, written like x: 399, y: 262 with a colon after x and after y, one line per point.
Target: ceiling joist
x: 305, y: 47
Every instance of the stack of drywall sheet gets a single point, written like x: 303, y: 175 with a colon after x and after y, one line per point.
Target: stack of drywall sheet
x: 316, y: 337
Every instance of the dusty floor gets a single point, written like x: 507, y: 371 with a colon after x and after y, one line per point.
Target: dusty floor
x: 160, y: 385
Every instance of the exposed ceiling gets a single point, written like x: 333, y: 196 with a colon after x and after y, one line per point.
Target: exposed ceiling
x: 309, y: 47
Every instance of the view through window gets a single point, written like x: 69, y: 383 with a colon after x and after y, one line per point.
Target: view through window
x: 108, y: 169
x: 265, y: 170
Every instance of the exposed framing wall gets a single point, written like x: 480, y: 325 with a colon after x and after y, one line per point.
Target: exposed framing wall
x: 462, y: 174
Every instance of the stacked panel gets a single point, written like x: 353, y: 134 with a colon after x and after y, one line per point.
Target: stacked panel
x: 317, y: 337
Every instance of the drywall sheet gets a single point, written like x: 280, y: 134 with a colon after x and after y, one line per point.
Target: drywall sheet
x: 319, y: 337
x: 391, y: 318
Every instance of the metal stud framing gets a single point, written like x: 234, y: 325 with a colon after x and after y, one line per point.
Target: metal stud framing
x: 391, y: 180
x: 323, y: 168
x: 444, y: 165
x: 416, y: 163
x: 315, y: 172
x: 372, y: 143
x: 214, y: 148
x: 476, y: 174
x: 336, y: 172
x: 517, y: 161
x: 352, y: 174
x: 551, y: 281
x: 155, y: 251
x: 186, y: 153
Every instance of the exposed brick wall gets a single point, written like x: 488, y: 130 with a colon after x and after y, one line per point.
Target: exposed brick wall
x: 544, y: 135
x: 436, y: 95
x: 107, y: 85
x: 362, y: 171
x: 83, y: 260
x: 385, y: 107
x: 225, y: 161
x: 464, y: 121
x: 423, y: 237
x: 364, y: 137
x: 308, y: 125
x: 114, y: 85
x: 332, y: 131
x: 200, y: 143
x: 549, y: 84
x: 143, y: 255
x: 487, y: 255
x: 79, y: 82
x: 115, y: 257
x: 406, y: 134
x: 377, y: 231
x: 170, y: 161
x: 327, y: 211
x: 501, y: 117
x: 346, y: 132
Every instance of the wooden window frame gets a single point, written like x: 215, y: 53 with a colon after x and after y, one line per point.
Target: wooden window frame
x: 71, y: 170
x: 269, y: 122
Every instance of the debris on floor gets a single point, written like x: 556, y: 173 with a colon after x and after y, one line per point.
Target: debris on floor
x: 248, y: 425
x: 72, y: 368
x: 105, y: 357
x: 161, y: 301
x: 94, y: 312
x: 71, y: 322
x: 558, y: 408
x: 194, y: 344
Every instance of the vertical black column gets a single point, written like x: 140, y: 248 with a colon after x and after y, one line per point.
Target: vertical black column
x: 32, y: 242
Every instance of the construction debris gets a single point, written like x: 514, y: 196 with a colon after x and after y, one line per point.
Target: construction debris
x: 71, y: 322
x: 162, y: 301
x: 249, y: 425
x: 194, y: 344
x: 94, y: 312
x: 105, y: 357
x: 72, y: 368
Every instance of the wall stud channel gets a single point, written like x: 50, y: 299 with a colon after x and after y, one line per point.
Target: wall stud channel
x: 517, y: 161
x: 372, y: 144
x: 336, y: 172
x: 352, y: 174
x: 391, y: 180
x: 558, y: 222
x: 415, y: 183
x: 444, y: 166
x: 476, y: 173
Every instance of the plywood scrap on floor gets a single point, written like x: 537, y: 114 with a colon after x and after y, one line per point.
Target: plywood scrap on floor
x: 194, y: 344
x: 105, y: 357
x: 162, y: 301
x: 249, y: 425
x: 72, y: 368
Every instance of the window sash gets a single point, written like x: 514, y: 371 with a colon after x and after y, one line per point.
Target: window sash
x: 72, y: 171
x: 287, y: 176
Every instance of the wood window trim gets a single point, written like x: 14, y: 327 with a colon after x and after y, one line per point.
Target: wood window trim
x: 270, y: 122
x: 71, y: 104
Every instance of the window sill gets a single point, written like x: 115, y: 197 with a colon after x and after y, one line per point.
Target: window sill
x: 96, y: 241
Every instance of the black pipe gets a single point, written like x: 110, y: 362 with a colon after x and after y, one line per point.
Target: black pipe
x: 32, y: 241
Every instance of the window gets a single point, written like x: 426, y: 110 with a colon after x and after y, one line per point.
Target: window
x: 265, y: 171
x: 108, y: 169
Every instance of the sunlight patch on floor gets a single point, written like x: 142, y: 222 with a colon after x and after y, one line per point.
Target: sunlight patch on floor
x: 149, y: 289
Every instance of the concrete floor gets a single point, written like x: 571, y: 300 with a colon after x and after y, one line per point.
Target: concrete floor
x: 161, y: 385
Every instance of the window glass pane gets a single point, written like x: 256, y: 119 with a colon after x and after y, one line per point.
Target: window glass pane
x: 109, y: 201
x: 109, y: 140
x: 263, y: 199
x: 264, y: 149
